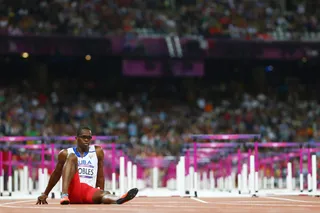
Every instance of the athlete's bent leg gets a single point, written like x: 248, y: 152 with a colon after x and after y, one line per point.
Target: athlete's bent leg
x: 69, y: 170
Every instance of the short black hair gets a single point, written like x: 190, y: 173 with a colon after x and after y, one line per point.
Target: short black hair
x: 82, y: 128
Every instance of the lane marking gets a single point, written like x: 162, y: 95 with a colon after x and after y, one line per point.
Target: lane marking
x: 199, y: 200
x: 257, y: 201
x: 287, y: 199
x: 268, y: 205
x: 162, y: 202
x: 21, y: 201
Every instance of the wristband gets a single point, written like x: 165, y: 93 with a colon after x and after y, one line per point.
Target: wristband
x: 64, y: 195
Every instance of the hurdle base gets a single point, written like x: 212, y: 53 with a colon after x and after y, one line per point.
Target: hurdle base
x: 1, y: 194
x: 187, y: 192
x: 254, y: 195
x: 239, y: 192
x: 30, y: 193
x: 53, y: 195
x: 10, y: 194
x: 195, y: 194
x: 310, y: 190
x: 113, y: 193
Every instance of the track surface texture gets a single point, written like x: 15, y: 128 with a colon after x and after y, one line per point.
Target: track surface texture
x: 275, y: 204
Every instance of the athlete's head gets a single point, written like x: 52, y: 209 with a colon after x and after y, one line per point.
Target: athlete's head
x: 84, y: 136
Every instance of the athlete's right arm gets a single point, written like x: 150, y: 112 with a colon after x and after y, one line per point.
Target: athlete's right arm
x: 56, y: 174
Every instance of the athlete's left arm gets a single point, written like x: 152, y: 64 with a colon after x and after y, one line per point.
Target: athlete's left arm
x: 100, y: 175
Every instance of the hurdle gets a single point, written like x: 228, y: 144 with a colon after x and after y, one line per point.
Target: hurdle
x: 294, y: 154
x: 257, y: 180
x: 222, y: 172
x: 156, y: 174
x: 226, y: 180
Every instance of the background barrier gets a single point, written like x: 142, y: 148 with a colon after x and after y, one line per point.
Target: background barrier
x: 202, y: 169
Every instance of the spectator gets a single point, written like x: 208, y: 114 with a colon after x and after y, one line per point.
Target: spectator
x: 228, y: 19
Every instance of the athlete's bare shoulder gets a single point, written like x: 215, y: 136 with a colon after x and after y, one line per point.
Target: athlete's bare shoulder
x: 63, y: 154
x: 99, y: 151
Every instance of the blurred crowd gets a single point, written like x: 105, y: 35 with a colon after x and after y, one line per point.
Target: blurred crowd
x: 154, y: 125
x: 210, y: 18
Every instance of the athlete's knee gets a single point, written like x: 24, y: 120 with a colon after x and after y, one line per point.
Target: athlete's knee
x: 104, y: 194
x: 108, y: 198
x: 98, y: 197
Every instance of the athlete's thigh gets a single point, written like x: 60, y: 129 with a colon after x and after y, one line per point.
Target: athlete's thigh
x: 90, y: 194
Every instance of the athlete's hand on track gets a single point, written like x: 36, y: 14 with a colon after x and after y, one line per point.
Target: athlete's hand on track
x: 42, y: 199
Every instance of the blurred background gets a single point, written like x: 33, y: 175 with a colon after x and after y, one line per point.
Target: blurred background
x: 153, y: 71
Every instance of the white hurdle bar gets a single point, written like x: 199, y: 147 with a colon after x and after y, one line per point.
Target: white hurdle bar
x: 113, y: 183
x: 244, y: 179
x: 15, y: 180
x: 309, y: 177
x: 122, y: 176
x: 25, y: 178
x: 2, y: 183
x: 239, y: 183
x: 129, y: 174
x: 134, y: 176
x: 256, y: 182
x: 191, y: 179
x: 155, y: 177
x: 252, y: 175
x: 182, y: 176
x: 301, y: 182
x: 177, y: 176
x: 289, y: 176
x: 212, y: 181
x: 314, y: 174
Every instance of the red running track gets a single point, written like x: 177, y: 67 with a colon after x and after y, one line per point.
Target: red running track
x: 281, y: 204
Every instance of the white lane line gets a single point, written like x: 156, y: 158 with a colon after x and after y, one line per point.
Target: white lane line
x: 267, y: 205
x: 199, y: 200
x: 162, y: 202
x: 287, y: 199
x: 257, y: 201
x: 15, y: 202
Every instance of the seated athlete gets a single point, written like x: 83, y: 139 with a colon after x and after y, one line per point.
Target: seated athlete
x: 81, y: 168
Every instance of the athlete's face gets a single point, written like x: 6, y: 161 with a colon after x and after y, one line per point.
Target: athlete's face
x: 84, y: 139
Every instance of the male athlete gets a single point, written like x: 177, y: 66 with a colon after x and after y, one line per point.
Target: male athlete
x: 81, y: 169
